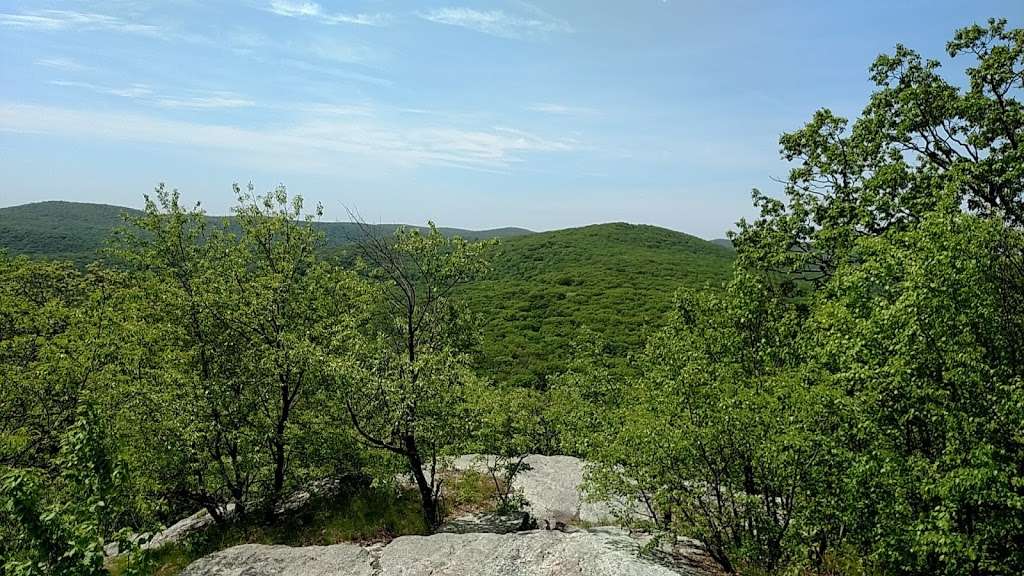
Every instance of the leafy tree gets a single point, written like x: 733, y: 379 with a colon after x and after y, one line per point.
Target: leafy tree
x: 922, y: 338
x: 583, y: 401
x: 60, y: 522
x: 920, y: 137
x: 407, y: 385
x: 508, y: 425
x: 906, y: 227
x: 49, y: 355
x: 244, y: 323
x: 723, y: 435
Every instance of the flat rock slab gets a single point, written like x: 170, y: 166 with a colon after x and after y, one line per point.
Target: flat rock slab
x: 263, y: 560
x: 538, y: 553
x: 600, y: 552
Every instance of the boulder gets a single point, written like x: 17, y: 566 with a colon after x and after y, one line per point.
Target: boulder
x: 598, y: 552
x: 553, y: 487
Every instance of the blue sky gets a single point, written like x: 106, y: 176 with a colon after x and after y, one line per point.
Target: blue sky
x: 537, y: 114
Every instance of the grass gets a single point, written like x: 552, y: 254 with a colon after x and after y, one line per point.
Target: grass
x: 365, y: 516
x: 368, y: 515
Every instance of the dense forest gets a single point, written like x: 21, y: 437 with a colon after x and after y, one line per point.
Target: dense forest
x: 843, y: 394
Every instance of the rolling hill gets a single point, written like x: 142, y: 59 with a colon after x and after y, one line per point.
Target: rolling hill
x: 76, y: 231
x: 615, y: 279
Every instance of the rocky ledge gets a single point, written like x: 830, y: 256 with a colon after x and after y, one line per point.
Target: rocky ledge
x: 597, y: 552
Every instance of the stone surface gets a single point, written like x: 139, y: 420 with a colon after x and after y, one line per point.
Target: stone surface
x: 598, y: 552
x: 552, y: 486
x: 262, y: 560
x: 488, y: 522
x: 202, y: 519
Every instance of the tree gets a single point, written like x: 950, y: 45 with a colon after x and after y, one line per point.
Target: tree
x: 722, y: 435
x: 64, y: 486
x: 407, y: 384
x: 244, y: 318
x: 919, y: 137
x: 922, y: 338
x: 508, y: 425
x: 905, y: 231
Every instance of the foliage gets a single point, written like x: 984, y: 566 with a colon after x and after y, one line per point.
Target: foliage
x: 509, y: 425
x: 58, y: 525
x: 241, y: 326
x: 78, y: 232
x: 583, y: 401
x: 616, y: 280
x: 923, y: 339
x: 722, y: 435
x: 406, y: 382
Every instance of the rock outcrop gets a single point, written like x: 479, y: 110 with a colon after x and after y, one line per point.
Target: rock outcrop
x: 264, y: 560
x: 599, y: 552
x: 553, y: 487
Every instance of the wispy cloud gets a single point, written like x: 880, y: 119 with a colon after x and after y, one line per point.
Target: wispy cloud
x: 333, y: 50
x: 313, y: 10
x: 56, y: 20
x: 315, y: 144
x: 131, y: 91
x: 562, y: 109
x: 214, y: 101
x: 64, y: 64
x: 498, y: 23
x: 149, y: 95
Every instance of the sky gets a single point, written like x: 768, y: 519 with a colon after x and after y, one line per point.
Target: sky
x: 537, y: 114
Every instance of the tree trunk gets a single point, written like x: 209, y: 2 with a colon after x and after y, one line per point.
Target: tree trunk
x: 426, y: 489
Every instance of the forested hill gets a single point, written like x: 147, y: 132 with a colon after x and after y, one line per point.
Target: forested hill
x: 76, y: 230
x: 615, y: 279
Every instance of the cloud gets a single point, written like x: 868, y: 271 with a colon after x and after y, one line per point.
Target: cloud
x: 147, y: 94
x: 342, y: 52
x: 222, y: 100
x: 313, y: 10
x: 132, y: 91
x: 562, y: 109
x: 498, y: 23
x: 57, y: 20
x: 319, y: 143
x: 63, y: 64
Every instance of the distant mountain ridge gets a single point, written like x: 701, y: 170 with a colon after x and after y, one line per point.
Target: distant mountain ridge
x: 77, y: 230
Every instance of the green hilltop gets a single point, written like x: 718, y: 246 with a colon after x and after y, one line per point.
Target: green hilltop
x: 616, y: 280
x: 77, y: 231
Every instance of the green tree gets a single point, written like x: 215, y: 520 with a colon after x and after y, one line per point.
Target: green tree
x: 923, y: 335
x: 244, y: 319
x: 723, y: 436
x: 920, y: 137
x: 407, y: 385
x: 905, y: 229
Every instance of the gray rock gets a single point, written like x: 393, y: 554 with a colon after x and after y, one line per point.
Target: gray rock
x: 553, y: 487
x: 262, y: 560
x: 488, y: 522
x: 600, y: 552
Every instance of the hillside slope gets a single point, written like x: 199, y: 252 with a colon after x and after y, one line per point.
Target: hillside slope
x: 616, y: 279
x: 76, y: 231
